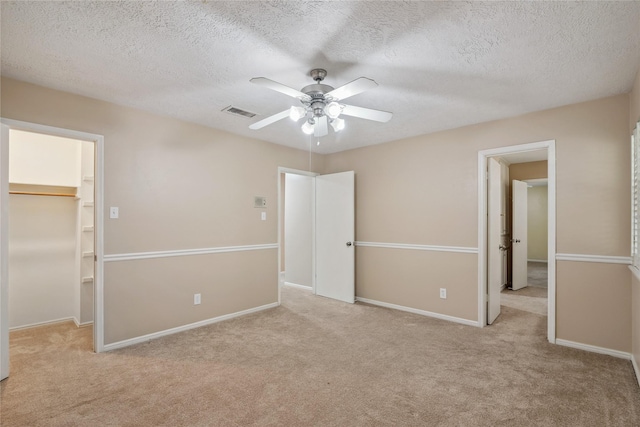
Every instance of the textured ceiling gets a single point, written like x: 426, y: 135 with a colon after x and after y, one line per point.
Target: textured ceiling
x: 440, y: 65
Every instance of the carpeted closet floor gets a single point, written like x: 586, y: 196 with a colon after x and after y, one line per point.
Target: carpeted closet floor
x: 319, y: 362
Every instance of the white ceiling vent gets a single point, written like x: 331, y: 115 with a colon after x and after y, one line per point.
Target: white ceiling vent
x: 238, y: 112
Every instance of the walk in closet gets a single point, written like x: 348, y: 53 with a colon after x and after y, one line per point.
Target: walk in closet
x: 51, y: 229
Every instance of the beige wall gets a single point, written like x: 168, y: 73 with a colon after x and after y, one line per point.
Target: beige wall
x: 178, y: 186
x: 183, y: 186
x: 44, y: 159
x: 151, y: 295
x: 537, y: 223
x: 42, y: 260
x: 529, y: 170
x: 423, y: 190
x: 586, y: 292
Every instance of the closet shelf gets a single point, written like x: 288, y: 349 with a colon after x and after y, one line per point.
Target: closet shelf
x: 42, y: 190
x: 39, y: 193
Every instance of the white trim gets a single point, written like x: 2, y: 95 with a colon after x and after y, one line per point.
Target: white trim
x: 551, y: 241
x: 635, y: 272
x: 4, y: 246
x: 46, y: 323
x: 550, y: 147
x: 636, y: 369
x: 594, y: 349
x: 295, y: 285
x: 155, y: 335
x: 457, y: 249
x: 540, y: 260
x: 186, y: 252
x: 483, y: 259
x: 418, y: 311
x: 594, y: 258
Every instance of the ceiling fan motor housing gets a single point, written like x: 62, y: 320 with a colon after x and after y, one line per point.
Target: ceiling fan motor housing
x: 318, y: 101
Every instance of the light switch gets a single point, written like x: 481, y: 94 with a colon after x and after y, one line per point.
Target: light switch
x: 263, y: 216
x: 113, y: 212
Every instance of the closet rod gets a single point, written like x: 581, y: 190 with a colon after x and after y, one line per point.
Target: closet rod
x: 37, y: 193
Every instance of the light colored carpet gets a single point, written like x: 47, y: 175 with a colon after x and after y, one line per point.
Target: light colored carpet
x: 537, y: 274
x: 319, y: 362
x: 532, y: 298
x: 523, y: 302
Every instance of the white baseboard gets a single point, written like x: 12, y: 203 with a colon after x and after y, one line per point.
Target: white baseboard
x: 594, y: 349
x: 636, y: 369
x: 538, y: 260
x: 418, y: 311
x: 295, y: 285
x: 46, y: 323
x: 149, y: 337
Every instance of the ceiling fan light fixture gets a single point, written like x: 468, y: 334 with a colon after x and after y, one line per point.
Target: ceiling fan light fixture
x: 337, y: 124
x: 296, y: 113
x: 308, y: 127
x: 333, y: 110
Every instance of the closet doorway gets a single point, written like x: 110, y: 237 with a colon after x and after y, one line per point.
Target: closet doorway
x: 51, y: 229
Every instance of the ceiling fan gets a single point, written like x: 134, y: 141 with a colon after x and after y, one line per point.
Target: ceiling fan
x: 320, y: 104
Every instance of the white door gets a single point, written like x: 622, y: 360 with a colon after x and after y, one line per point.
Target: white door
x: 4, y: 246
x: 519, y: 235
x: 494, y: 254
x: 335, y: 231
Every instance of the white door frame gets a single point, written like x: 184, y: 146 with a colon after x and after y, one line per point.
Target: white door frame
x: 550, y: 146
x: 4, y: 255
x: 281, y: 172
x: 98, y: 140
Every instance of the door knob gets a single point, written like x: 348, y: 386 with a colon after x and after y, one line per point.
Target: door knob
x: 515, y: 240
x: 349, y: 243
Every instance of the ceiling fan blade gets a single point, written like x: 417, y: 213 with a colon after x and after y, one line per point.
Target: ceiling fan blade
x: 321, y: 128
x: 271, y: 119
x: 355, y: 87
x: 367, y: 113
x: 279, y: 87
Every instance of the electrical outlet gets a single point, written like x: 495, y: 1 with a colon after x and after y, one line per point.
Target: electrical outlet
x: 443, y: 293
x: 196, y: 299
x: 114, y: 212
